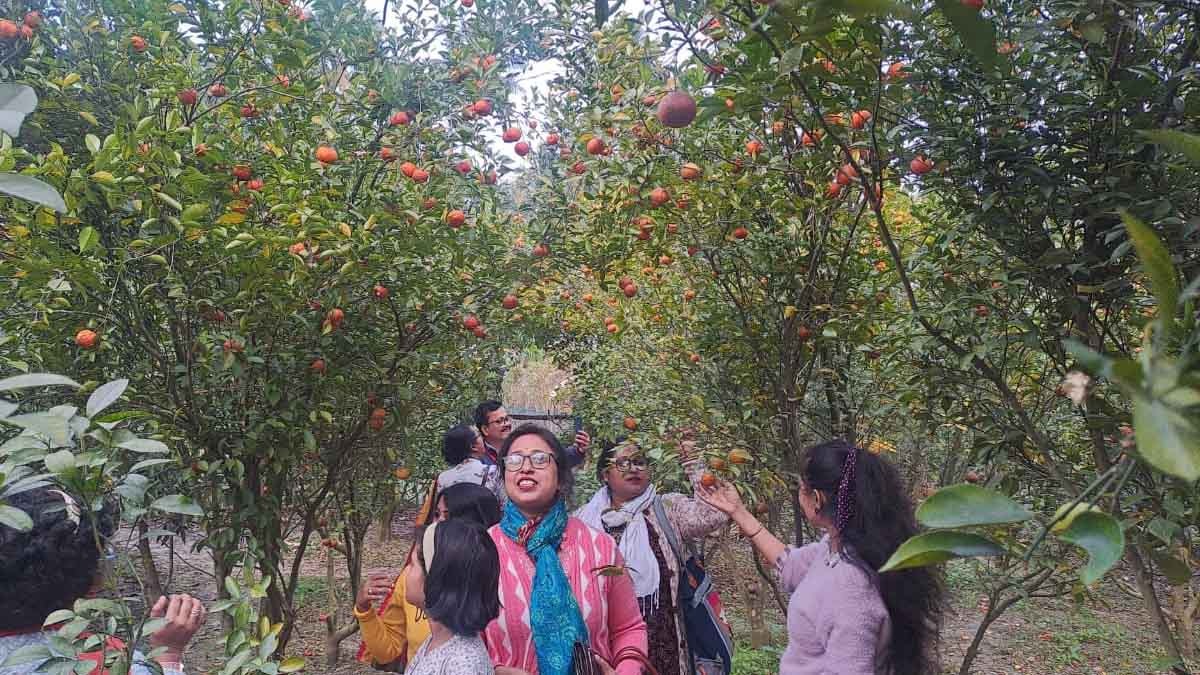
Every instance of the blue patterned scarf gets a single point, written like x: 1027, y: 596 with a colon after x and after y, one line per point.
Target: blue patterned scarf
x: 554, y: 613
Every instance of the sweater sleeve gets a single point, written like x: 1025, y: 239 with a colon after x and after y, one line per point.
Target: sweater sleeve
x: 794, y: 562
x: 385, y: 635
x: 574, y: 456
x: 691, y: 516
x: 626, y: 628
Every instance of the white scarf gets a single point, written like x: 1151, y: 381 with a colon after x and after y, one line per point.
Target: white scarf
x: 635, y: 541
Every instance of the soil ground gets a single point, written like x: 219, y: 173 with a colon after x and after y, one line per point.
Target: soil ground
x: 1109, y: 634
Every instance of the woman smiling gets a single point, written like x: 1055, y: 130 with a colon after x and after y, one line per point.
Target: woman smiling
x: 628, y: 507
x: 563, y: 586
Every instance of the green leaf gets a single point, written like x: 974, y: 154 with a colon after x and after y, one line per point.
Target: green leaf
x: 33, y: 190
x: 105, y: 395
x: 932, y: 548
x: 1175, y: 570
x: 977, y: 33
x: 36, y: 380
x: 791, y: 59
x: 1166, y: 440
x: 15, y: 518
x: 1092, y: 31
x: 178, y: 504
x: 88, y: 237
x: 291, y: 664
x: 1164, y: 530
x: 194, y: 212
x: 92, y: 143
x: 147, y: 463
x: 59, y: 462
x: 1101, y: 536
x: 1185, y: 144
x: 59, y: 616
x: 237, y: 661
x: 53, y: 427
x: 144, y: 445
x: 1157, y: 263
x: 966, y: 504
x: 16, y: 101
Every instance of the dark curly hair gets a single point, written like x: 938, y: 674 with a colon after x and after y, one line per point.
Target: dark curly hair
x: 876, y: 517
x: 50, y: 566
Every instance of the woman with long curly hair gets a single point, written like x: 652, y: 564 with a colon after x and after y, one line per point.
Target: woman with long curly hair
x: 56, y: 562
x: 844, y: 616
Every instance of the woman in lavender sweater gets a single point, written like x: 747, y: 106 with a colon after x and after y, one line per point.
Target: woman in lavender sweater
x: 843, y: 616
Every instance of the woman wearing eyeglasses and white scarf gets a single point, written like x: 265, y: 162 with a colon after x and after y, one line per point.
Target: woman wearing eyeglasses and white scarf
x: 624, y: 508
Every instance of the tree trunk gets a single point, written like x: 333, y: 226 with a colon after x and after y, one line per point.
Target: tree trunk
x: 153, y: 587
x: 1146, y: 585
x: 994, y: 611
x: 220, y: 571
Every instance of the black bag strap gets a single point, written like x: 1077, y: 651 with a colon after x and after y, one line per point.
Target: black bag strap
x: 661, y: 514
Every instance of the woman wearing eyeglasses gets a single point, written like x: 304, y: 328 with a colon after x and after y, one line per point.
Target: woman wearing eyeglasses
x: 624, y: 507
x: 564, y: 591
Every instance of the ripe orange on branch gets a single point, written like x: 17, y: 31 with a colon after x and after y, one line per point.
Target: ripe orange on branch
x: 676, y: 110
x: 87, y: 339
x: 920, y: 165
x: 326, y: 154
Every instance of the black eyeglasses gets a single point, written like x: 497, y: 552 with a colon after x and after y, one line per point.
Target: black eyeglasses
x: 626, y: 464
x: 539, y: 459
x: 498, y: 420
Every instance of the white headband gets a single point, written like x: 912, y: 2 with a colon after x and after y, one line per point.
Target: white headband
x: 73, y: 511
x: 427, y: 545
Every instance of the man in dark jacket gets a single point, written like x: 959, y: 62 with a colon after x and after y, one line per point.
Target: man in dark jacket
x: 495, y: 425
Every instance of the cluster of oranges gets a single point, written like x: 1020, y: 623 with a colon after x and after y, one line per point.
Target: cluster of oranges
x: 735, y: 456
x: 9, y: 30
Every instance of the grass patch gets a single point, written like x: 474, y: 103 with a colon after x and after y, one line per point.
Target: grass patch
x: 307, y: 587
x: 761, y: 661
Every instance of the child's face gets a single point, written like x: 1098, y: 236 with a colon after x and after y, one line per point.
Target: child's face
x: 414, y: 583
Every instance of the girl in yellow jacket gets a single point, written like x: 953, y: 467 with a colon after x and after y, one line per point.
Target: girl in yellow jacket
x: 392, y: 634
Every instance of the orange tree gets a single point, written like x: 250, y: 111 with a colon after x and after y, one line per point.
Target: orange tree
x: 720, y: 275
x: 1029, y: 203
x: 265, y: 228
x: 1018, y: 244
x: 1031, y: 249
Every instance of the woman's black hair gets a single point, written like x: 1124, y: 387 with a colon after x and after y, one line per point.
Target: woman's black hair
x: 468, y: 501
x: 607, y: 452
x: 566, y: 477
x: 877, y: 516
x: 53, y: 564
x: 456, y: 444
x: 462, y: 585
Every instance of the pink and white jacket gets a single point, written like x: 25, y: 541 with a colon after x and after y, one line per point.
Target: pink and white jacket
x: 607, y: 603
